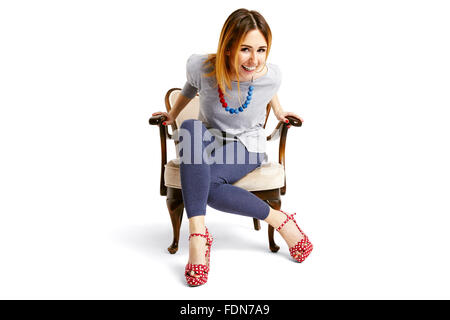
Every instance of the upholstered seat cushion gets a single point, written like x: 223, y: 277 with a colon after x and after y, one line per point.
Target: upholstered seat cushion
x: 268, y: 176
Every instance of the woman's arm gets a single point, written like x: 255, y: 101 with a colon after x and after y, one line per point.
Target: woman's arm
x: 178, y: 106
x: 280, y: 114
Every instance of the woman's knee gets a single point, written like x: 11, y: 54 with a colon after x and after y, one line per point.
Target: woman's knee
x: 215, y: 195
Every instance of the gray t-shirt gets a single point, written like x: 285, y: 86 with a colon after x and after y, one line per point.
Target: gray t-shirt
x: 247, y: 126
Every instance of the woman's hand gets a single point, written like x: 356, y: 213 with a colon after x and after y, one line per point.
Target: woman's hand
x: 282, y: 116
x: 168, y: 120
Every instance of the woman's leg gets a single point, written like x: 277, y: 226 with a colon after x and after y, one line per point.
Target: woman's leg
x: 203, y: 183
x: 194, y: 171
x: 224, y: 196
x: 211, y: 184
x: 195, y: 181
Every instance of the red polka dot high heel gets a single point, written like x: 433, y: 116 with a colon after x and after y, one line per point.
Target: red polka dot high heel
x: 304, y: 247
x: 201, y: 270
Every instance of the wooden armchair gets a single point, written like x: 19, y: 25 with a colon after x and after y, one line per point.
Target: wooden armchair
x: 267, y: 182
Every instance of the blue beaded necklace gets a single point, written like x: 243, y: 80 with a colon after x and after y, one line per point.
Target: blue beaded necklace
x: 242, y: 107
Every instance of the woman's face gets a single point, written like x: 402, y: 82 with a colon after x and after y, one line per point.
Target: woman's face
x: 251, y: 56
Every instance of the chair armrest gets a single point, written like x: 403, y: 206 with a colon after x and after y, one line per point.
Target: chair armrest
x: 156, y: 120
x: 281, y: 131
x: 163, y: 134
x: 294, y: 121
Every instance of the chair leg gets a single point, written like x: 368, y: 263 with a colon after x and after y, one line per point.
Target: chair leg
x: 256, y: 224
x: 176, y: 207
x: 276, y: 205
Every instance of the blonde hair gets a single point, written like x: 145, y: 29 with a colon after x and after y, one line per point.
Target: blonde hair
x: 236, y: 27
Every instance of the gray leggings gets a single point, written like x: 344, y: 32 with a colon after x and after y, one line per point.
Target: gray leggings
x: 205, y: 183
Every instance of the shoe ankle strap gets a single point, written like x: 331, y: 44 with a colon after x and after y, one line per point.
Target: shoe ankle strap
x: 199, y: 234
x: 289, y: 217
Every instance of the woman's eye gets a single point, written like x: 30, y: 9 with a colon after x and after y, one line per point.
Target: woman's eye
x: 247, y: 49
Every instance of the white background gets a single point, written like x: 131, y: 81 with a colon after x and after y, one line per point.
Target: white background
x: 368, y: 174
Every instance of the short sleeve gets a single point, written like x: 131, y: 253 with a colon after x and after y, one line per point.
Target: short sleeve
x: 193, y: 75
x: 277, y: 78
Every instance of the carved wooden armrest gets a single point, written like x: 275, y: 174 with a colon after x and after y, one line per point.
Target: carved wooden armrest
x: 163, y: 134
x: 280, y: 131
x: 156, y: 120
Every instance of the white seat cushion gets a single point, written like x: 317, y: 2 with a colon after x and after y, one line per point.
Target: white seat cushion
x: 268, y: 176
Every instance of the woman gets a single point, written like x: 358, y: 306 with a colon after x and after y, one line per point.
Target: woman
x: 234, y: 86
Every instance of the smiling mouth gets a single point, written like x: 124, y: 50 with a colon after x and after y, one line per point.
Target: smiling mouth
x: 249, y: 69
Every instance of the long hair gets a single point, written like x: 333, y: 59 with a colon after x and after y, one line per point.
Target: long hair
x: 236, y: 27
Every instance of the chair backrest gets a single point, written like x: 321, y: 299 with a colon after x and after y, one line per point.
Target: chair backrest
x: 189, y: 112
x: 193, y: 107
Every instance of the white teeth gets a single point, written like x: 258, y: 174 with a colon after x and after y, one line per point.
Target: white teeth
x: 249, y: 68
